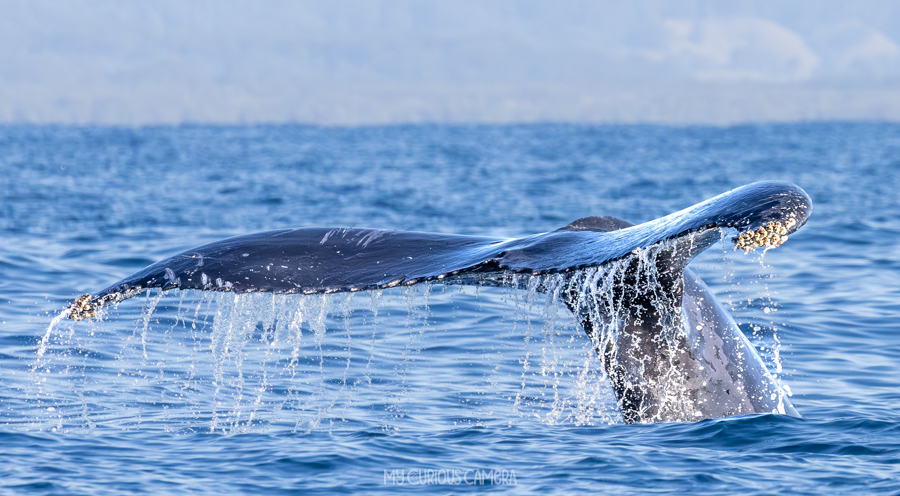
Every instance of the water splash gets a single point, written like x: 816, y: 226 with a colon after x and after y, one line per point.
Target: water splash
x: 229, y: 363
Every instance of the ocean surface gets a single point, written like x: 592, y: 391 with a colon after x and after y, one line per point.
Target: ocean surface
x: 428, y: 389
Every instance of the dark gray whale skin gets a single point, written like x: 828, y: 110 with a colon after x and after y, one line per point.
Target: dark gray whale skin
x: 329, y: 260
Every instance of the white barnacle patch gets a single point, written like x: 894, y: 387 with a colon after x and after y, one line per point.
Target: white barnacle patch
x: 170, y: 275
x: 771, y: 235
x: 204, y: 278
x: 82, y: 308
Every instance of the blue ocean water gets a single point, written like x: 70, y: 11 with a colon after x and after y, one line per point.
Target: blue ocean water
x: 438, y: 388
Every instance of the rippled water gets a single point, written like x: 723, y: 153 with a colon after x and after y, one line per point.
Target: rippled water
x: 187, y: 392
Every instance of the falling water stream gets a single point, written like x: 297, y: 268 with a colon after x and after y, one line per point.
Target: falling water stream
x: 195, y: 361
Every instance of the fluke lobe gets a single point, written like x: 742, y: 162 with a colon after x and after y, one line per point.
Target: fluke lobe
x: 670, y: 350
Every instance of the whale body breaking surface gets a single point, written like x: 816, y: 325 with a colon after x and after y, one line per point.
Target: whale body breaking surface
x: 670, y: 351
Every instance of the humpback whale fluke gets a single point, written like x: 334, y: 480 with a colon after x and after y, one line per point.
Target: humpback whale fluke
x: 670, y: 350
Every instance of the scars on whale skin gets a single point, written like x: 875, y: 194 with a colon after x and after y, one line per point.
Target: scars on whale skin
x: 669, y: 349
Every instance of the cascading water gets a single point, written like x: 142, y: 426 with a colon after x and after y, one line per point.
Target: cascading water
x: 235, y: 363
x: 225, y: 362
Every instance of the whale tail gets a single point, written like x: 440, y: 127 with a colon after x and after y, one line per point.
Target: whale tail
x: 328, y: 260
x: 670, y: 351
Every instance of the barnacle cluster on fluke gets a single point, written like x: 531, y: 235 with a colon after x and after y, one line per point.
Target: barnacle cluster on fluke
x: 771, y: 235
x: 86, y: 307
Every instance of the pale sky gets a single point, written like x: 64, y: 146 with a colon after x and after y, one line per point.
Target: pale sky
x: 408, y: 61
